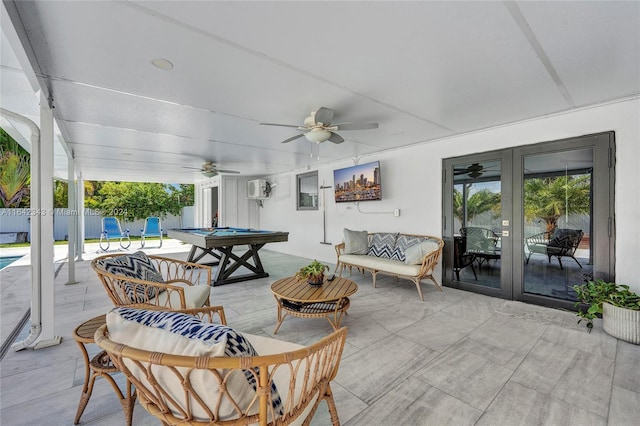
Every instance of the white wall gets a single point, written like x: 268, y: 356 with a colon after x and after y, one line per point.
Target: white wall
x: 411, y: 181
x: 234, y: 207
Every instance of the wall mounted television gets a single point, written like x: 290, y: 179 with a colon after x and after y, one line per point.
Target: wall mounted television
x: 357, y: 183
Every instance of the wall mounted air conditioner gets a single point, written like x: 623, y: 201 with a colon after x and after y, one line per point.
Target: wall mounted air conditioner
x: 258, y: 189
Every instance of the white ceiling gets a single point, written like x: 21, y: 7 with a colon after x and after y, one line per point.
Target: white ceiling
x: 422, y: 70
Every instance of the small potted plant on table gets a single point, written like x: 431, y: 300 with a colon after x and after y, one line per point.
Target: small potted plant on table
x: 313, y: 273
x: 619, y: 307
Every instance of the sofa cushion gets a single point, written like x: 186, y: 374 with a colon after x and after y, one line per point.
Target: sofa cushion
x: 382, y: 264
x: 138, y: 266
x: 382, y: 245
x: 415, y: 253
x: 355, y: 242
x: 182, y: 334
x: 402, y: 243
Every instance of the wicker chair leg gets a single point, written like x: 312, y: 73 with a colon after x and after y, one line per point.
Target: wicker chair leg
x: 373, y: 275
x: 84, y: 398
x: 335, y: 421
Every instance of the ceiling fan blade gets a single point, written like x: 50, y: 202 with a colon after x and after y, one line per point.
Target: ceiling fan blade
x: 293, y: 138
x: 356, y: 126
x: 192, y: 168
x: 335, y: 138
x: 279, y: 125
x: 226, y: 171
x: 324, y: 116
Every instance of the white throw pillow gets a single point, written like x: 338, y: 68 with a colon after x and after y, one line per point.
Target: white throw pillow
x: 414, y: 254
x: 355, y: 242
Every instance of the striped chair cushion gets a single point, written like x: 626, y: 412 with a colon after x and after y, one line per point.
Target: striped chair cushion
x: 136, y: 265
x: 181, y: 334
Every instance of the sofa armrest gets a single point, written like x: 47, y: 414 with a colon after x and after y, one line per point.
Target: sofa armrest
x: 430, y: 260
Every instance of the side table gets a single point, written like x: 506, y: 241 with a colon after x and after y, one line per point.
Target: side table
x: 99, y: 366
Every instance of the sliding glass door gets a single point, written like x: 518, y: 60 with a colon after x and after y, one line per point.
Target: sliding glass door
x: 529, y: 223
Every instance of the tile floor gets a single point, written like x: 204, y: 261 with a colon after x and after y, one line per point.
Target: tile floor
x: 457, y: 358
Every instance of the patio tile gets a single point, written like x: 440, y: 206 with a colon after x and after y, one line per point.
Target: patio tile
x: 625, y: 407
x: 463, y: 373
x: 359, y: 377
x: 576, y: 377
x: 413, y: 402
x: 439, y: 331
x: 519, y: 405
x: 627, y: 370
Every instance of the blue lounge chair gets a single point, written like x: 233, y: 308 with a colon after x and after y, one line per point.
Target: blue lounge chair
x: 111, y: 230
x: 152, y: 228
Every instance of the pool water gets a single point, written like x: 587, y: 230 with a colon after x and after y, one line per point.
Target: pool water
x: 7, y: 260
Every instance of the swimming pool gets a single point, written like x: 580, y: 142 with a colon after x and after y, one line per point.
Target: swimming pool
x: 7, y: 260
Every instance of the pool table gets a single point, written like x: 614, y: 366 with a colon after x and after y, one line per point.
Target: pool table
x: 220, y: 242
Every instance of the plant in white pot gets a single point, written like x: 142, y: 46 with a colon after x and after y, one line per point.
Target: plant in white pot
x: 619, y: 307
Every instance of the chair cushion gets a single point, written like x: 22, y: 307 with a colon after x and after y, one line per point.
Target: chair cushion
x: 195, y: 296
x: 382, y: 245
x: 355, y: 242
x: 138, y: 266
x: 182, y: 334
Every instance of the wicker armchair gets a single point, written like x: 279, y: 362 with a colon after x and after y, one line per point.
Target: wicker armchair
x: 560, y: 243
x: 190, y: 390
x: 185, y: 286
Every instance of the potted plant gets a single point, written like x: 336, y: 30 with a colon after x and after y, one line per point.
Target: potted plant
x: 313, y: 273
x: 618, y: 306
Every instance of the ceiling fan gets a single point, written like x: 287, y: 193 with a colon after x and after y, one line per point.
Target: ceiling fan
x: 474, y: 171
x: 317, y: 127
x: 209, y: 169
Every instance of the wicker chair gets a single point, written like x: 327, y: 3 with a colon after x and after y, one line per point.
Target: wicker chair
x: 480, y: 243
x: 166, y: 388
x: 559, y: 243
x: 185, y: 286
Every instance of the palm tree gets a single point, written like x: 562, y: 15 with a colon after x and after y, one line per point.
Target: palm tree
x: 549, y: 198
x: 14, y: 178
x: 479, y: 202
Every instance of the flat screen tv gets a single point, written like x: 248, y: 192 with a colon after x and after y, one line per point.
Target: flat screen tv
x: 357, y: 183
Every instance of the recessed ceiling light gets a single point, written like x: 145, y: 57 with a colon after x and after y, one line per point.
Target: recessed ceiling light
x: 163, y: 64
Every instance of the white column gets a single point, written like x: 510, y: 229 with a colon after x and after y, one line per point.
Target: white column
x: 45, y: 268
x: 80, y: 223
x: 72, y: 218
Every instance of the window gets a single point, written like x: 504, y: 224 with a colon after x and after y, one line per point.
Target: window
x: 307, y: 190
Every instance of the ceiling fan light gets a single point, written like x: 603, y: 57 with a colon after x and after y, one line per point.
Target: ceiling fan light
x: 209, y: 173
x: 318, y: 135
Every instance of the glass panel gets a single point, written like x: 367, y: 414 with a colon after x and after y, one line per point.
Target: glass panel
x: 557, y: 207
x: 477, y: 220
x: 308, y: 191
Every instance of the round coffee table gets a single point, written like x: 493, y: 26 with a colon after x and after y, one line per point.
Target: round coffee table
x: 298, y: 298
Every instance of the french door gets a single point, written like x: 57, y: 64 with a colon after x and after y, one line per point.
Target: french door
x: 528, y: 223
